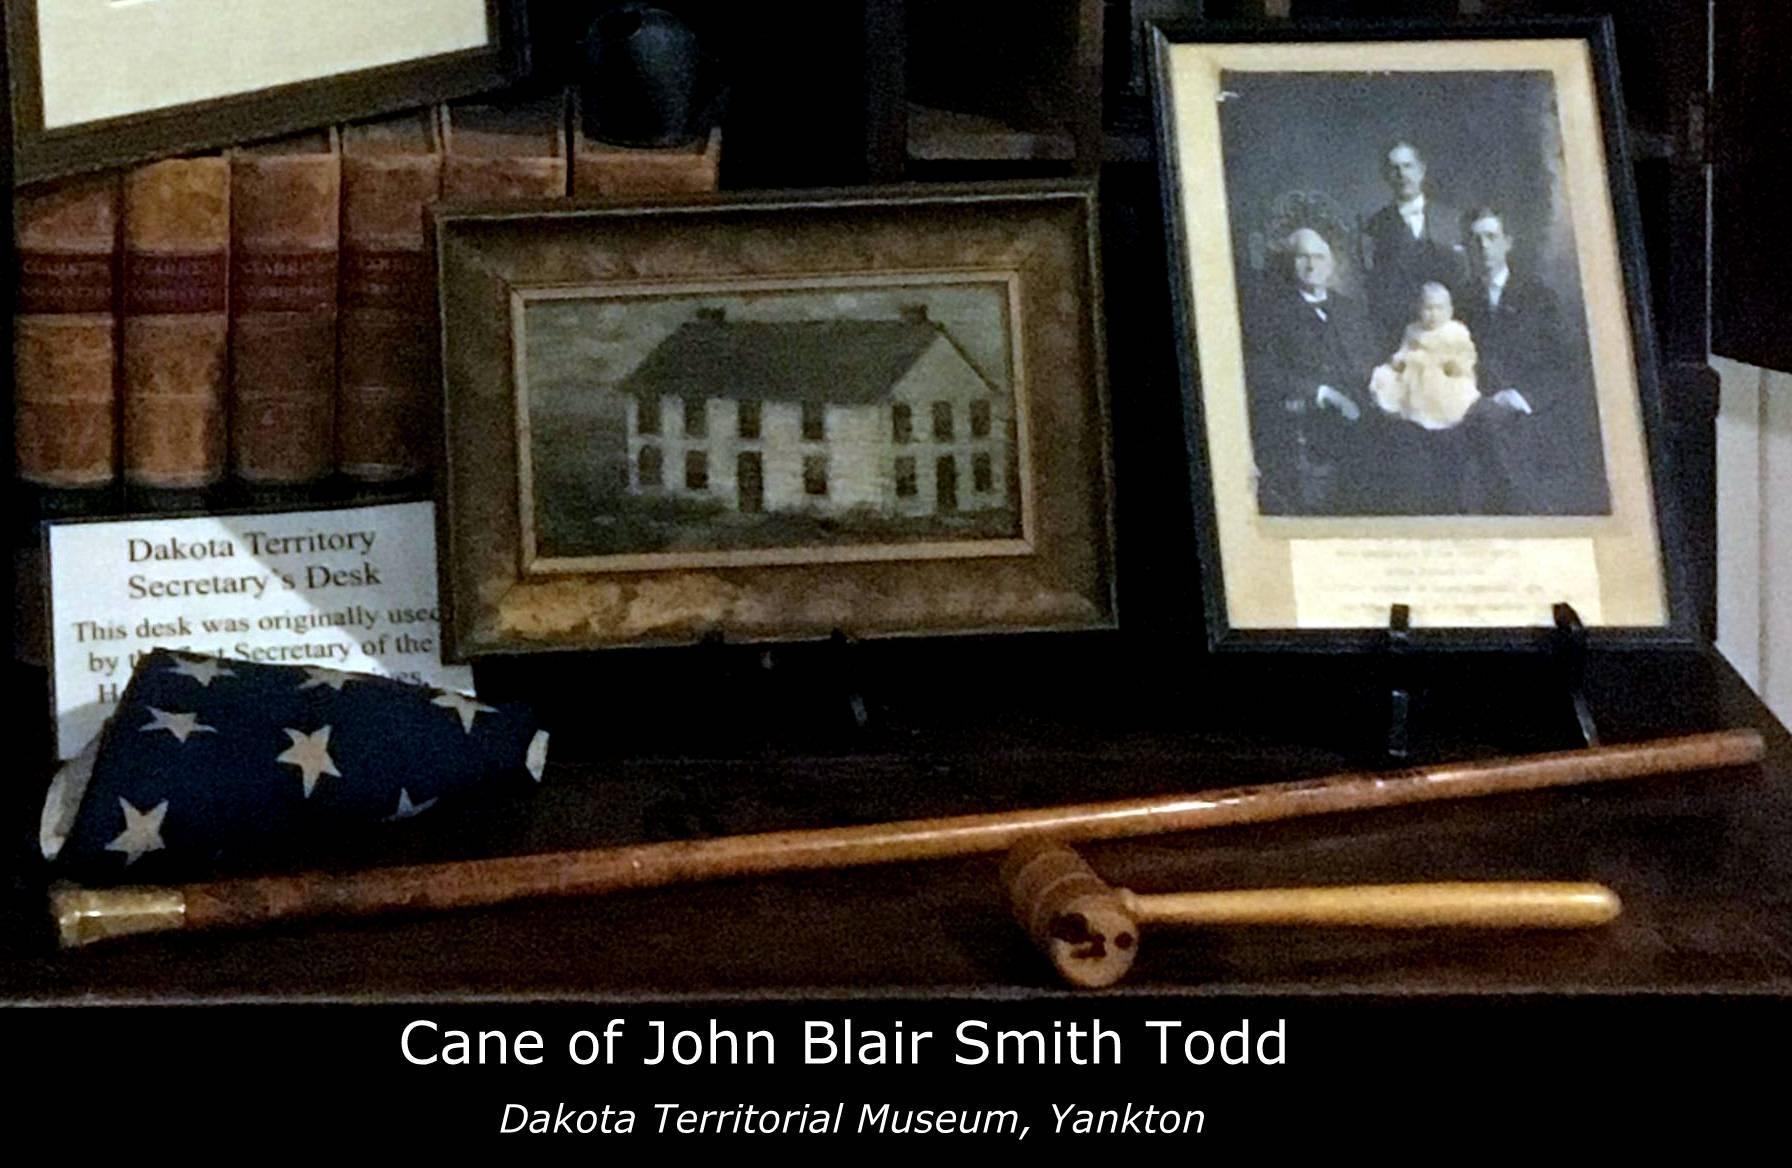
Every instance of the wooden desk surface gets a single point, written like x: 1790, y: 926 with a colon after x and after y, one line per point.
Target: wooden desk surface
x: 1703, y: 861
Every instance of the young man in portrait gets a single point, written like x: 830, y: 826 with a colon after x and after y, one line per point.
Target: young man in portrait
x: 1538, y: 425
x: 1412, y: 241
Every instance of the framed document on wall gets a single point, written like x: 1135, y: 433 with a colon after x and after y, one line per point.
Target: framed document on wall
x: 1417, y: 357
x: 98, y: 83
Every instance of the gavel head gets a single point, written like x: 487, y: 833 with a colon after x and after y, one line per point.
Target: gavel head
x: 1082, y: 924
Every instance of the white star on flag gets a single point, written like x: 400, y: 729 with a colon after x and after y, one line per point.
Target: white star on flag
x: 408, y: 809
x: 311, y: 754
x: 315, y: 676
x: 142, y: 831
x: 468, y: 708
x: 537, y: 758
x: 201, y: 669
x: 179, y: 725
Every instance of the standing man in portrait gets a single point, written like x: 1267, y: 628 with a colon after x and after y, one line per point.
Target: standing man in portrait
x: 1412, y: 241
x: 1537, y: 428
x: 1307, y: 358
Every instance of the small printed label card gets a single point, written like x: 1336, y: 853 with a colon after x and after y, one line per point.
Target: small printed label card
x: 1449, y: 583
x: 353, y: 590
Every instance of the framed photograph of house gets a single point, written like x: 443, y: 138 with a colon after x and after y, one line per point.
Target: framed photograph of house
x: 1413, y: 323
x: 102, y: 83
x: 774, y: 417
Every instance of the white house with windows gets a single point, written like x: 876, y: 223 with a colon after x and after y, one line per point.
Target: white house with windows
x: 827, y: 416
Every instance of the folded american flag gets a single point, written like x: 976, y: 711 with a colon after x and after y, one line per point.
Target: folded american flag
x: 206, y: 758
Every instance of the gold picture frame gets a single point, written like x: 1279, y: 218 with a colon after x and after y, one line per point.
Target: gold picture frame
x: 773, y: 417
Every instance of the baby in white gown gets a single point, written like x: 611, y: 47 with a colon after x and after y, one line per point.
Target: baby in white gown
x: 1431, y: 379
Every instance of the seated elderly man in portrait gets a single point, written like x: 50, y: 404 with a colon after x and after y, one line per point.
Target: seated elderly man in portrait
x: 1308, y: 352
x: 1413, y: 241
x: 1537, y: 429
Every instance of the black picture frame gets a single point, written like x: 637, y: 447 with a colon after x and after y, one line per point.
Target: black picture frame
x: 1622, y: 271
x: 39, y: 152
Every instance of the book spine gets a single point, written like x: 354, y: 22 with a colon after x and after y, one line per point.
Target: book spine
x: 602, y: 169
x: 510, y: 177
x: 386, y: 397
x: 624, y: 172
x: 65, y: 367
x: 500, y: 153
x: 176, y: 322
x: 285, y: 213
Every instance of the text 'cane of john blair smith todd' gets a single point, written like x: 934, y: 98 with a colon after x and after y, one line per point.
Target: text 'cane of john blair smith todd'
x: 973, y: 1042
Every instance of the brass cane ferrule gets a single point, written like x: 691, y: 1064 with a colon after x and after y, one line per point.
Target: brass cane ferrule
x: 86, y: 915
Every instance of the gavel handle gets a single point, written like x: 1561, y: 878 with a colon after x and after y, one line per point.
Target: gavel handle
x: 1486, y: 905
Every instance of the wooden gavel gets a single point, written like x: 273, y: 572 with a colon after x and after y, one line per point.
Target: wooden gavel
x: 1090, y: 929
x: 85, y: 915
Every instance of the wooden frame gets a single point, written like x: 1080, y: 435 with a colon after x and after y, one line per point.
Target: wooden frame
x: 879, y: 413
x: 1417, y: 480
x: 165, y: 98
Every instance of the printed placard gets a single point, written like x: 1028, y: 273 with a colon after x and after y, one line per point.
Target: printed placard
x: 1464, y: 583
x: 351, y: 589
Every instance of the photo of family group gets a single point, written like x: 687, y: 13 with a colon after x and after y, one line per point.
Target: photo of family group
x: 1414, y: 330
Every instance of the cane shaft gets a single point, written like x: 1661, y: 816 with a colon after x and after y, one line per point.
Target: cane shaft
x: 495, y: 881
x: 1489, y: 905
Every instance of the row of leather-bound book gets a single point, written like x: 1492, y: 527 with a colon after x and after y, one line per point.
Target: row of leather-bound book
x: 268, y: 314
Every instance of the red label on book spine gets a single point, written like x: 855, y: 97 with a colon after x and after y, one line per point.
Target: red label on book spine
x: 387, y: 279
x: 303, y: 281
x: 58, y: 282
x: 175, y: 282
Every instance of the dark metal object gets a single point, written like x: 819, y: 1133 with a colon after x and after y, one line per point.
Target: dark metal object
x: 643, y: 79
x: 1570, y: 650
x: 1399, y: 656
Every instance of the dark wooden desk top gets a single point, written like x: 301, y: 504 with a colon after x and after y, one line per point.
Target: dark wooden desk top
x: 1703, y: 861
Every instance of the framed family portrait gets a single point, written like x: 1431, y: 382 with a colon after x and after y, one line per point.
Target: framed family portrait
x: 878, y: 413
x: 1417, y: 358
x: 101, y: 83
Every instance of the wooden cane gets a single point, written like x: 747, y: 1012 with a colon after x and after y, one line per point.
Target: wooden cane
x: 1091, y: 930
x: 86, y: 915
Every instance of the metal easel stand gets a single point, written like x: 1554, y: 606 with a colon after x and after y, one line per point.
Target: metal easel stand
x: 1567, y: 664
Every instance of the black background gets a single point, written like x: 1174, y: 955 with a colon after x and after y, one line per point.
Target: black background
x: 1371, y: 1077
